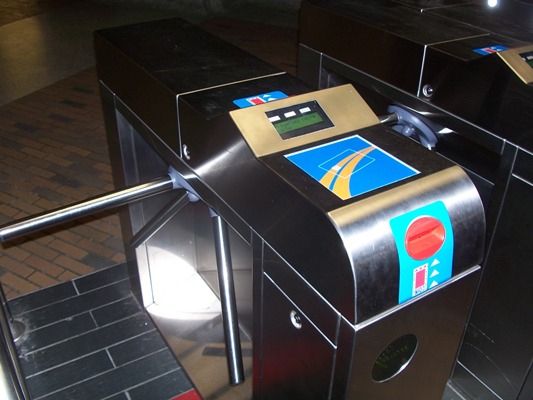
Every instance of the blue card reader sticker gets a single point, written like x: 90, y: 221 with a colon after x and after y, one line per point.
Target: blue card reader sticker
x: 352, y: 166
x: 259, y: 99
x: 424, y: 241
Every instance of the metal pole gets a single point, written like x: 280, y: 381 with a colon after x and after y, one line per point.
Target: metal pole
x: 227, y: 299
x: 389, y: 119
x: 12, y: 383
x: 107, y: 201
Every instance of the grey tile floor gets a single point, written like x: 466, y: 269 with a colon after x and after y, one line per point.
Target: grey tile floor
x: 89, y: 339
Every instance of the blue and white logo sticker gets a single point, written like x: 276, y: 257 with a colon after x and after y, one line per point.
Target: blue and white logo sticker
x: 259, y: 99
x: 485, y: 51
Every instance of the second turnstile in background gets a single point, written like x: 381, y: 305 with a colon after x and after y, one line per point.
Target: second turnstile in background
x: 460, y: 76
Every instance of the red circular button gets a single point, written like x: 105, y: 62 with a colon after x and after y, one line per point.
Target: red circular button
x: 424, y: 237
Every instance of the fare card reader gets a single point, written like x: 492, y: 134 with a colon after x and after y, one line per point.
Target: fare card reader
x: 395, y: 207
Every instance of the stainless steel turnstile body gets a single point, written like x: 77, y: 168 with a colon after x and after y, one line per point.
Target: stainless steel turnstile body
x: 330, y: 303
x: 461, y: 70
x: 285, y: 242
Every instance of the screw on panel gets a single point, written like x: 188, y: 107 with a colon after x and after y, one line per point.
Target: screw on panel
x: 296, y: 319
x: 427, y: 90
x: 186, y: 152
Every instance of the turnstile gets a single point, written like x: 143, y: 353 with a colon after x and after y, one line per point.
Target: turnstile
x: 460, y: 77
x: 333, y: 301
x: 348, y: 253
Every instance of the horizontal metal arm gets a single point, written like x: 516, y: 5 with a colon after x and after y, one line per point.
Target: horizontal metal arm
x: 80, y: 209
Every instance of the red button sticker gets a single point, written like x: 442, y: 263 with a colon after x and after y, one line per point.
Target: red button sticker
x: 424, y: 237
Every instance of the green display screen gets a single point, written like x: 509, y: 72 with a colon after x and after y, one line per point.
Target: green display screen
x: 302, y: 121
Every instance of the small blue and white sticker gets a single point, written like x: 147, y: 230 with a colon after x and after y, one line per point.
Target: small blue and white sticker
x: 259, y: 99
x: 485, y: 51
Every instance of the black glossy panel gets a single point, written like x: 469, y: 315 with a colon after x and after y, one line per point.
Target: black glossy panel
x: 390, y: 16
x: 510, y: 18
x: 170, y: 49
x: 220, y: 100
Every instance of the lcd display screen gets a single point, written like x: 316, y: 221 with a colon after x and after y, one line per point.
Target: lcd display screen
x: 293, y: 124
x: 299, y: 119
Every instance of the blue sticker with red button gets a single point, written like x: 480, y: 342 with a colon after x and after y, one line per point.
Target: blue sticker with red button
x: 424, y: 240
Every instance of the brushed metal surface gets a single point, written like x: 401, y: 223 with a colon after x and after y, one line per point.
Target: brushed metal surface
x: 285, y: 222
x: 364, y: 227
x: 484, y: 100
x: 425, y: 377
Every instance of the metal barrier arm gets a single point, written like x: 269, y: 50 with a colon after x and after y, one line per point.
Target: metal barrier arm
x: 77, y: 210
x: 118, y: 198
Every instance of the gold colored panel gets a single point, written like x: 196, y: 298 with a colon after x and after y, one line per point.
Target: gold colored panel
x: 342, y: 104
x: 521, y: 68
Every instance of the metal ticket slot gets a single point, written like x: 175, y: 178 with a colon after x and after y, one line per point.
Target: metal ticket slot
x: 309, y: 251
x: 459, y: 76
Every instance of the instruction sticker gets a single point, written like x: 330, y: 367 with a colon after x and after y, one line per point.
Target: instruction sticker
x: 425, y: 253
x: 351, y: 167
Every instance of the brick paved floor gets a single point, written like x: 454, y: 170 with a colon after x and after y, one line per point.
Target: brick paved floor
x: 53, y: 152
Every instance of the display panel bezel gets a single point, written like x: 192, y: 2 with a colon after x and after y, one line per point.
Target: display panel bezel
x: 299, y: 119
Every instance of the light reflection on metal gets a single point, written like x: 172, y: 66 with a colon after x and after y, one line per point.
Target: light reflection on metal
x: 183, y: 294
